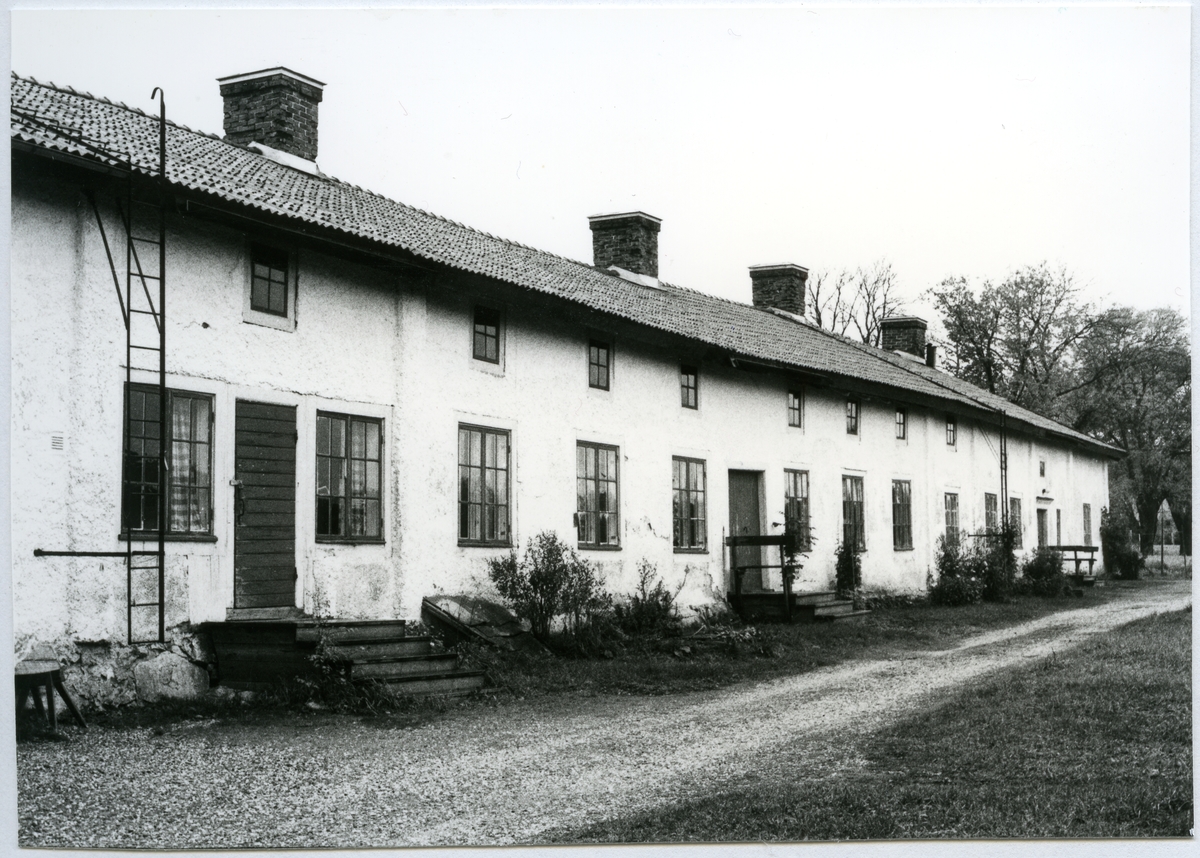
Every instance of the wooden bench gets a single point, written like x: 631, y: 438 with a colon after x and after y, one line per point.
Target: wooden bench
x: 32, y: 675
x: 1079, y: 555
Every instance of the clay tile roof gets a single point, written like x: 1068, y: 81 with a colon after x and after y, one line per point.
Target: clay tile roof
x: 56, y: 118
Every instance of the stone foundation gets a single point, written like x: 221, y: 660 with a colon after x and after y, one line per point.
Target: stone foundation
x: 103, y: 674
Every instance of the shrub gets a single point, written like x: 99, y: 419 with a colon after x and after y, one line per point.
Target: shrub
x: 882, y: 600
x: 1043, y: 573
x: 848, y: 570
x: 999, y: 563
x: 651, y: 608
x: 550, y: 581
x: 960, y: 575
x: 1121, y: 557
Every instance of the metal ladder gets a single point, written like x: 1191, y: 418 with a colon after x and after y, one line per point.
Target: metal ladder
x: 144, y: 218
x: 142, y: 298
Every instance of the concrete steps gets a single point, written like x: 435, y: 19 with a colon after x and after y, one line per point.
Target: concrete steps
x: 256, y: 652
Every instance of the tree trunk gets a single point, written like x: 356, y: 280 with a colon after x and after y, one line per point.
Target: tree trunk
x: 1181, y: 514
x: 1147, y: 510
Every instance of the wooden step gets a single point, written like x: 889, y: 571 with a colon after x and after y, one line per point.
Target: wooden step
x: 384, y: 648
x: 404, y: 666
x: 351, y: 631
x: 837, y: 618
x: 450, y: 682
x: 833, y: 609
x: 237, y: 615
x: 816, y: 598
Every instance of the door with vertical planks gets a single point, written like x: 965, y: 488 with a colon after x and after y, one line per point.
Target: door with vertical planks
x: 264, y: 506
x: 745, y: 519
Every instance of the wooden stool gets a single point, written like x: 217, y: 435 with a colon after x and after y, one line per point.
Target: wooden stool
x: 34, y: 674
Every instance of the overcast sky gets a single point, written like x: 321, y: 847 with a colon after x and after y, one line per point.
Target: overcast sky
x: 949, y: 141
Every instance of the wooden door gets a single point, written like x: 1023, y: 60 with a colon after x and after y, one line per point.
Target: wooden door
x: 1043, y: 528
x: 264, y: 513
x: 745, y: 519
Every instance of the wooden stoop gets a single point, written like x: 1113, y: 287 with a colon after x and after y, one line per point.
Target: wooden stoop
x: 258, y: 653
x: 814, y: 607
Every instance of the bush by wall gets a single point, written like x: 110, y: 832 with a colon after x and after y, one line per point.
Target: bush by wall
x: 960, y: 575
x: 1043, y: 573
x: 999, y: 563
x: 651, y: 607
x: 848, y: 570
x: 548, y: 582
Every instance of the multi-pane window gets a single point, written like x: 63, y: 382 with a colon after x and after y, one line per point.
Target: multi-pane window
x: 269, y: 280
x: 991, y: 512
x: 599, y: 357
x: 596, y: 516
x: 795, y: 506
x: 689, y: 505
x: 951, y: 430
x: 853, y: 524
x: 1042, y: 468
x: 952, y: 532
x: 901, y: 423
x: 483, y: 486
x: 1087, y: 524
x: 1014, y: 518
x: 189, y: 466
x: 851, y: 416
x: 485, y: 341
x: 689, y: 386
x: 902, y: 514
x: 795, y: 408
x: 349, y: 474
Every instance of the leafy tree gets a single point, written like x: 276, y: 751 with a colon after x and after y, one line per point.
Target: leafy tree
x: 854, y: 303
x: 1017, y: 339
x: 1135, y: 392
x: 1120, y: 375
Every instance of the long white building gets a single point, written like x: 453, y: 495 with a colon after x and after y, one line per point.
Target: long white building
x: 364, y: 401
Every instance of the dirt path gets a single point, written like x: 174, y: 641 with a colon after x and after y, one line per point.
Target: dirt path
x: 493, y: 776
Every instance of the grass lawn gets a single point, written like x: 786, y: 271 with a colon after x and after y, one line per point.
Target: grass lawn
x: 679, y: 665
x: 1095, y: 742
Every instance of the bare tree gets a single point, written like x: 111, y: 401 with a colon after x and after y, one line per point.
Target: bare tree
x: 854, y: 302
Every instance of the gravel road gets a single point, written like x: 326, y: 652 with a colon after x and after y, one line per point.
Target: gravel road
x: 494, y: 775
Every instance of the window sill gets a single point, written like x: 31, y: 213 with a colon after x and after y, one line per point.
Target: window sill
x: 320, y: 540
x: 583, y: 546
x: 906, y: 548
x: 475, y: 544
x: 691, y: 550
x: 170, y: 537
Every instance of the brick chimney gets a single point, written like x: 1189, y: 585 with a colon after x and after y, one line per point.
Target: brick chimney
x: 779, y: 286
x: 275, y: 107
x: 904, y: 334
x: 628, y: 240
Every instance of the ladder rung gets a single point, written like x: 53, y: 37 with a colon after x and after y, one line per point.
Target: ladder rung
x: 144, y: 312
x: 144, y: 276
x: 143, y: 604
x: 146, y: 348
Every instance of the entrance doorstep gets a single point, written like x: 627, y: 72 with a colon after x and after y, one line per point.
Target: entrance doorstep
x: 235, y: 614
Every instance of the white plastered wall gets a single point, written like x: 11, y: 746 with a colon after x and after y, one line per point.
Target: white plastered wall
x: 378, y: 345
